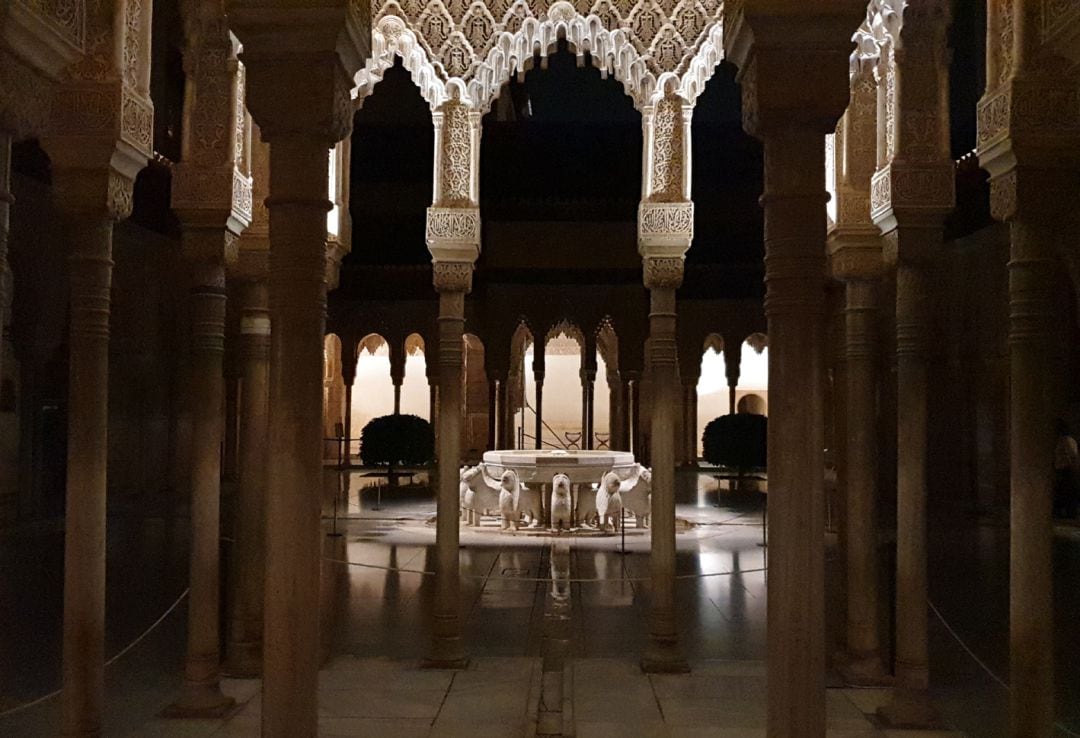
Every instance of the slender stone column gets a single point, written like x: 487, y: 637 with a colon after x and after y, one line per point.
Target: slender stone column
x: 732, y: 361
x: 665, y: 231
x: 246, y: 611
x: 855, y: 258
x: 690, y: 419
x: 504, y: 419
x: 1029, y: 142
x: 588, y: 390
x: 90, y: 235
x: 662, y: 654
x: 98, y: 138
x: 453, y: 238
x: 6, y: 199
x: 210, y: 195
x: 538, y: 375
x: 911, y: 194
x: 633, y: 405
x: 615, y: 411
x: 397, y: 372
x: 540, y: 409
x: 452, y: 281
x: 864, y: 665
x: 202, y: 694
x: 791, y: 115
x: 316, y: 64
x: 795, y: 307
x: 493, y: 425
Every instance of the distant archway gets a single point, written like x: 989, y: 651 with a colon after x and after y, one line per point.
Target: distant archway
x: 754, y: 374
x: 712, y: 389
x: 373, y: 390
x: 415, y: 393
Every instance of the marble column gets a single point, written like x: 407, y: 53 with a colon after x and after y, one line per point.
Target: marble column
x: 662, y: 654
x: 855, y: 259
x: 506, y: 414
x: 911, y: 193
x: 795, y: 308
x: 452, y: 282
x: 732, y: 361
x: 615, y: 411
x: 588, y: 390
x: 633, y: 406
x: 97, y: 138
x: 6, y: 199
x: 201, y: 694
x: 665, y: 232
x: 538, y: 368
x: 397, y: 371
x: 244, y: 648
x: 1029, y: 142
x: 864, y: 665
x: 791, y: 114
x: 296, y: 50
x: 209, y: 195
x: 539, y: 430
x: 348, y: 377
x: 690, y: 419
x: 493, y: 424
x: 88, y: 230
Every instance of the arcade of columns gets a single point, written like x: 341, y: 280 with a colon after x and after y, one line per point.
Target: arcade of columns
x: 258, y: 214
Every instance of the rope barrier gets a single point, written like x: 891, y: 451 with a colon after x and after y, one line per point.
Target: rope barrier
x: 579, y: 580
x: 110, y: 662
x: 982, y: 664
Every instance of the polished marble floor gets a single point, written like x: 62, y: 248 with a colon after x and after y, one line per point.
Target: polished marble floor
x: 377, y: 598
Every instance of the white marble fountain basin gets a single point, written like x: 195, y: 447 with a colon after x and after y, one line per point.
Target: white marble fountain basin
x: 583, y: 467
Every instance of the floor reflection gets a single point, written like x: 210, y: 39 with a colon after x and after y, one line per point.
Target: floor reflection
x: 378, y: 593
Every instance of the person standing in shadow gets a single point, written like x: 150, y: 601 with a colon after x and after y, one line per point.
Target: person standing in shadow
x: 1066, y: 463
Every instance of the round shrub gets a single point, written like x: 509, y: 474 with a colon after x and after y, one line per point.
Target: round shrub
x: 737, y: 441
x: 397, y: 440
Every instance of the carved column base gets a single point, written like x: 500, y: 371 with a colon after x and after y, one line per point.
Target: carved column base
x: 863, y: 670
x: 200, y: 702
x: 909, y: 709
x: 663, y: 656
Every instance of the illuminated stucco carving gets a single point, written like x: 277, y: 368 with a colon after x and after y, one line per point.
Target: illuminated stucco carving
x: 475, y: 47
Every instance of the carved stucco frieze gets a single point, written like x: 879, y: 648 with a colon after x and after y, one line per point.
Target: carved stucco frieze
x: 475, y: 47
x: 24, y: 97
x: 66, y: 17
x: 930, y: 188
x: 665, y: 227
x: 100, y: 129
x: 457, y: 158
x: 667, y: 174
x: 452, y: 276
x: 1048, y: 108
x: 211, y: 184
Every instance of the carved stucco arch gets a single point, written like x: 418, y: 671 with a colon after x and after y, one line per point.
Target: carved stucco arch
x: 614, y: 51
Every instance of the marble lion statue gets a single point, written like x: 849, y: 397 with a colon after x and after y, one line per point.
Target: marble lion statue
x: 561, y: 503
x: 479, y: 497
x: 509, y: 499
x: 636, y: 493
x: 609, y: 503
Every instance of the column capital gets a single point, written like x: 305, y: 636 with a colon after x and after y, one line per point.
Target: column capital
x: 1030, y: 123
x: 663, y: 272
x: 855, y: 253
x: 452, y: 276
x: 314, y: 52
x: 768, y: 41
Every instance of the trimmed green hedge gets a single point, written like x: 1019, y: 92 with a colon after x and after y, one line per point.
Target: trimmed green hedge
x: 397, y: 440
x: 737, y: 441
